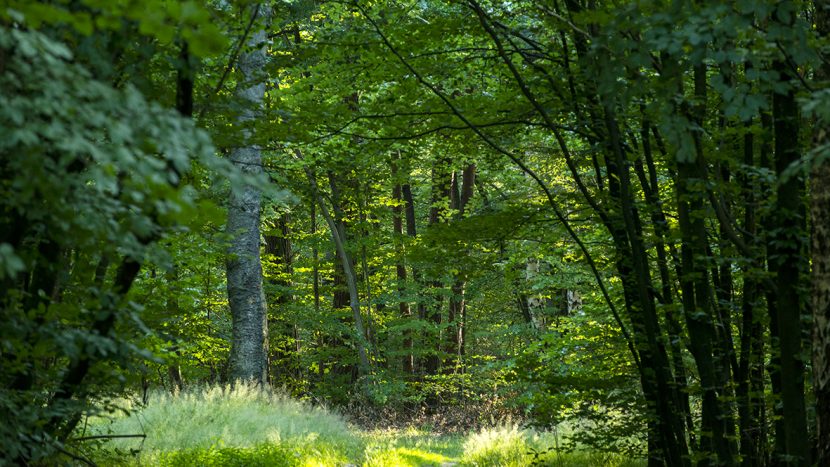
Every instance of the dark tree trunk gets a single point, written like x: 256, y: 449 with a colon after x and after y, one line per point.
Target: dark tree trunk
x: 651, y: 190
x: 278, y: 250
x: 400, y: 265
x: 184, y: 104
x: 820, y: 241
x: 666, y: 431
x: 461, y: 193
x: 412, y: 231
x: 749, y: 386
x: 442, y: 182
x: 697, y: 293
x: 786, y: 263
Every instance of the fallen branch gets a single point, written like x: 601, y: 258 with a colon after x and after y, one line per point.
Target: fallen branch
x: 87, y: 438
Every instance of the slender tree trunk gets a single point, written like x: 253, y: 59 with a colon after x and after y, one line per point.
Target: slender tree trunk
x: 820, y: 240
x: 367, y: 272
x: 458, y: 304
x: 666, y: 431
x: 315, y: 286
x: 184, y: 104
x: 173, y: 371
x: 773, y: 368
x: 342, y: 213
x: 442, y: 180
x: 279, y: 251
x: 412, y: 232
x: 338, y: 236
x: 786, y: 263
x: 400, y: 265
x: 651, y: 189
x: 249, y: 342
x: 697, y: 292
x: 749, y: 389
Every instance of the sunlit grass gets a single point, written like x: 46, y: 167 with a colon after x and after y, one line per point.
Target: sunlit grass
x: 217, y: 418
x: 243, y: 426
x: 410, y: 447
x: 503, y: 446
x: 513, y: 446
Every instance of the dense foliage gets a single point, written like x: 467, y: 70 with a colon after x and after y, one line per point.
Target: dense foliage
x: 601, y: 215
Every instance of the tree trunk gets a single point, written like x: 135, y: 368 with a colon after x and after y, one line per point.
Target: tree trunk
x: 749, y: 386
x: 458, y: 305
x: 315, y: 277
x: 412, y: 231
x: 278, y: 250
x: 338, y: 236
x: 249, y: 342
x: 184, y: 104
x: 534, y: 305
x: 651, y: 190
x: 400, y: 265
x: 786, y: 262
x: 820, y: 241
x: 697, y: 291
x: 666, y: 431
x: 442, y: 181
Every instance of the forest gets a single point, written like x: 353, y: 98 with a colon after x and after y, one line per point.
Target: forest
x: 415, y: 232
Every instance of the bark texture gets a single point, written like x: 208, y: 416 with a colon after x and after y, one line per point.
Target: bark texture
x: 820, y: 239
x: 249, y: 345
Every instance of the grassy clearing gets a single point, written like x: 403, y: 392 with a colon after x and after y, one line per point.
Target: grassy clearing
x: 247, y: 427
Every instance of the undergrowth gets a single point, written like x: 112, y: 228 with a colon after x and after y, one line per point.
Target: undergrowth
x: 243, y: 426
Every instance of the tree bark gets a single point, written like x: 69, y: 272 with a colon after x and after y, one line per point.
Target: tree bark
x: 651, y: 190
x: 249, y: 344
x: 697, y: 291
x: 749, y: 386
x: 820, y: 242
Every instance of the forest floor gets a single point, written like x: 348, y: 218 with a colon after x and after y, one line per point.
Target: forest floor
x: 244, y: 427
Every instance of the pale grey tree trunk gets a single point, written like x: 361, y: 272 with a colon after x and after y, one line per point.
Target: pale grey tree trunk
x: 249, y: 345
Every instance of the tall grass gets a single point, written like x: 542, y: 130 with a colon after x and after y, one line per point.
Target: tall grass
x: 505, y: 446
x: 244, y: 426
x: 225, y: 417
x: 512, y: 446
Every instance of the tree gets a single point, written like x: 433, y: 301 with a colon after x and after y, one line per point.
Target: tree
x: 820, y: 244
x: 82, y: 188
x: 249, y: 345
x: 648, y: 156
